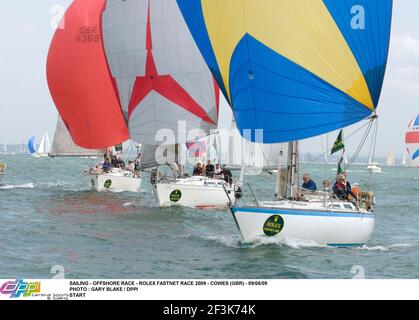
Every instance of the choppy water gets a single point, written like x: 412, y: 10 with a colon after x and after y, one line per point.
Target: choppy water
x: 47, y: 219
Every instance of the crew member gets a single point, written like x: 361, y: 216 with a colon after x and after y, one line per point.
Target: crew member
x: 308, y: 183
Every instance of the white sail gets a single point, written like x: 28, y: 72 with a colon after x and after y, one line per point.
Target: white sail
x: 390, y: 158
x: 45, y: 145
x: 63, y: 145
x: 160, y: 74
x: 154, y: 156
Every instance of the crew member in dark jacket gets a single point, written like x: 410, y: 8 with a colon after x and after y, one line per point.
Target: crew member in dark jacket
x: 341, y: 189
x: 308, y: 183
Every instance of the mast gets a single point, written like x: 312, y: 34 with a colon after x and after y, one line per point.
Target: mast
x: 291, y: 189
x: 179, y: 160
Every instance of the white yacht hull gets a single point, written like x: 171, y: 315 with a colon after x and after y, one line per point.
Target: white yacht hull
x: 322, y: 227
x: 43, y: 155
x: 109, y: 182
x: 185, y: 193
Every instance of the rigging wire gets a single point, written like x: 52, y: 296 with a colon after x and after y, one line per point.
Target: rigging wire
x: 368, y: 124
x: 362, y: 144
x: 373, y: 149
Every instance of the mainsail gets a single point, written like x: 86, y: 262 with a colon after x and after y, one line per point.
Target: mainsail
x: 126, y: 69
x: 80, y: 81
x: 244, y: 154
x: 63, y: 145
x: 296, y: 69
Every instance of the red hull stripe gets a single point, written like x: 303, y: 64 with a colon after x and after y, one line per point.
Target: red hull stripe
x: 80, y: 81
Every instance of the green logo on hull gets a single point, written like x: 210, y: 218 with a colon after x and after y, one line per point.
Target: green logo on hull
x: 175, y: 196
x: 108, y: 184
x: 273, y: 226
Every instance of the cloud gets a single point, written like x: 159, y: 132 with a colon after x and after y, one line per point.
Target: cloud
x: 405, y: 48
x: 403, y: 66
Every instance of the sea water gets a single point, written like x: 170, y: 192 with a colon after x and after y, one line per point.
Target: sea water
x: 50, y: 226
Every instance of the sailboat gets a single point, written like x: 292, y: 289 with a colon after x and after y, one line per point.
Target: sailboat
x: 148, y: 70
x: 404, y: 160
x: 390, y: 161
x: 412, y: 141
x: 179, y: 189
x: 32, y: 146
x: 297, y: 70
x: 4, y: 148
x: 116, y: 179
x: 44, y: 147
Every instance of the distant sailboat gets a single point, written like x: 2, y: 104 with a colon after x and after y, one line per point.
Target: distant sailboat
x: 4, y: 148
x: 412, y: 141
x: 404, y: 161
x: 390, y: 159
x: 44, y: 147
x: 32, y: 146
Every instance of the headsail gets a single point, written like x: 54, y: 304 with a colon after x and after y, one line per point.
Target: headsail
x: 295, y: 69
x: 125, y: 69
x: 412, y: 140
x: 63, y: 145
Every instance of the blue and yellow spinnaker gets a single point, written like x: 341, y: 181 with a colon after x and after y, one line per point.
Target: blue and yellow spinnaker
x: 295, y: 69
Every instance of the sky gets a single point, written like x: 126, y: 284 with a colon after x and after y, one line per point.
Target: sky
x: 26, y: 30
